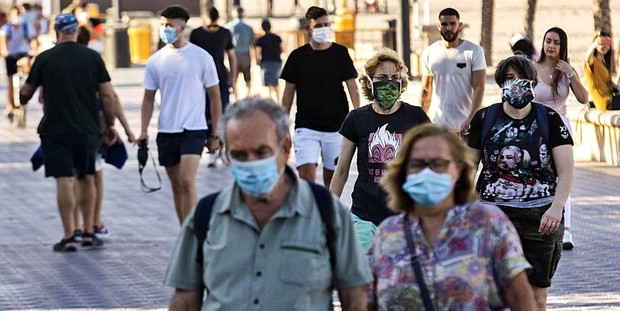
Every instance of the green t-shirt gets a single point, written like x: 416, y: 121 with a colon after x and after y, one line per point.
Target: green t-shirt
x: 70, y: 75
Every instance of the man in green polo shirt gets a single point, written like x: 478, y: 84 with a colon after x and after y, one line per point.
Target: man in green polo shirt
x: 266, y: 248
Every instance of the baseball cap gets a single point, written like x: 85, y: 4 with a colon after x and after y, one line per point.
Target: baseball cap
x: 66, y: 23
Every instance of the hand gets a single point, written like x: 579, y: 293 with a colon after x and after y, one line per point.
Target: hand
x: 550, y: 221
x: 110, y: 136
x: 130, y: 137
x: 9, y: 113
x: 144, y: 136
x: 213, y: 144
x: 564, y: 66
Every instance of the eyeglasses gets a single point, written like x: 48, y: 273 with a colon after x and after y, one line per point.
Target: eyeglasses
x: 321, y: 25
x: 396, y: 78
x: 438, y: 165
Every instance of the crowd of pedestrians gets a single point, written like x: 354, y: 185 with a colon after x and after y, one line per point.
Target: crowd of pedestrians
x: 421, y: 232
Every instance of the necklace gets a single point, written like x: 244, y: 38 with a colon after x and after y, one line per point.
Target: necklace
x: 546, y: 69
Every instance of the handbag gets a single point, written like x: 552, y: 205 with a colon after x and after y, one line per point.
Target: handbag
x: 615, y: 103
x: 415, y: 263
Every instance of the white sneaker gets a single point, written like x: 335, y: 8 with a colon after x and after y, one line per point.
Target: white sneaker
x: 212, y: 159
x: 568, y: 241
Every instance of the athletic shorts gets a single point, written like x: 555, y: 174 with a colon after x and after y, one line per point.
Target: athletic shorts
x: 171, y: 146
x: 11, y: 63
x: 271, y: 72
x: 69, y: 155
x: 365, y: 231
x: 243, y: 66
x: 308, y: 143
x: 543, y: 252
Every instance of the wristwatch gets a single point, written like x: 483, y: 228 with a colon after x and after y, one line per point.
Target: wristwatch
x: 570, y: 74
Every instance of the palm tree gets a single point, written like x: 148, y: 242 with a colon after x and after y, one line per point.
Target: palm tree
x: 602, y: 15
x: 530, y: 14
x: 486, y: 39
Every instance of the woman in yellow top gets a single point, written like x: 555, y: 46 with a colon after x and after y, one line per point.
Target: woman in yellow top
x: 597, y: 71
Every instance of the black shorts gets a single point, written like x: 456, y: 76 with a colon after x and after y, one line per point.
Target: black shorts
x: 68, y: 155
x: 11, y: 63
x: 543, y: 252
x: 171, y: 146
x: 243, y: 66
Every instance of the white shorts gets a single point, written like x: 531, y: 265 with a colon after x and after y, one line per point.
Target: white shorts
x: 307, y: 143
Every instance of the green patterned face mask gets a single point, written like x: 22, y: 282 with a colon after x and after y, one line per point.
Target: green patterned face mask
x: 386, y: 93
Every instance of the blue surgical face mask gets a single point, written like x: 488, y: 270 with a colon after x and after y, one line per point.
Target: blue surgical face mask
x: 168, y: 35
x: 427, y: 187
x: 256, y: 178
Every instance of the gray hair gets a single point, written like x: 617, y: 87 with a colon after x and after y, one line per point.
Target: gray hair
x: 248, y: 107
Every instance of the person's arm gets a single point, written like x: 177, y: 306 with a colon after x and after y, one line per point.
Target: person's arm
x: 4, y: 50
x: 25, y: 93
x: 215, y: 102
x: 578, y: 89
x: 185, y: 300
x: 353, y: 298
x: 108, y: 104
x: 519, y: 295
x: 353, y: 92
x: 564, y: 164
x: 426, y: 93
x: 232, y: 63
x: 120, y: 115
x: 478, y: 82
x: 341, y: 174
x: 258, y: 54
x: 287, y: 96
x: 590, y: 53
x: 148, y: 101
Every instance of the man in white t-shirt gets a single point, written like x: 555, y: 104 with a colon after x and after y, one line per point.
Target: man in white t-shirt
x: 454, y: 74
x: 181, y: 71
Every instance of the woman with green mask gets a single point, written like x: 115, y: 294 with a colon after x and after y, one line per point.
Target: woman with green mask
x: 375, y: 132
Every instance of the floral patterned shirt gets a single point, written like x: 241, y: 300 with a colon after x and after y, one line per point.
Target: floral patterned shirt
x: 476, y: 255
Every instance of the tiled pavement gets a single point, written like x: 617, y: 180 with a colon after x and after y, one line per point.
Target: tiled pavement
x: 127, y: 273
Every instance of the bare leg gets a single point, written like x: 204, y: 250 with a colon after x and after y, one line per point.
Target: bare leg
x: 183, y: 179
x: 327, y: 177
x: 86, y: 200
x: 540, y: 294
x: 98, y: 197
x: 65, y: 197
x: 11, y: 101
x: 307, y: 172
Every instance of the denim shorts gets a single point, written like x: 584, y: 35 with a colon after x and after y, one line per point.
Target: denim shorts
x: 543, y: 252
x: 271, y: 72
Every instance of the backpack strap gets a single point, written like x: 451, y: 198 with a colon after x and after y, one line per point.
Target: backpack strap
x: 541, y: 118
x: 325, y: 203
x: 488, y: 122
x: 202, y: 216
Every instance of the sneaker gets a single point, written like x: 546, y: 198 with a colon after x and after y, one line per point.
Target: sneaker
x: 65, y: 245
x: 90, y: 240
x: 212, y: 159
x: 101, y: 231
x: 77, y: 235
x: 568, y: 241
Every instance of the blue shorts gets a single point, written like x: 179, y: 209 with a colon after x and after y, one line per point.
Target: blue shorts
x: 171, y: 146
x: 271, y: 72
x: 68, y: 155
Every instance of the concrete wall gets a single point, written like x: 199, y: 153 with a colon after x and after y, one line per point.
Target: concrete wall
x: 596, y: 135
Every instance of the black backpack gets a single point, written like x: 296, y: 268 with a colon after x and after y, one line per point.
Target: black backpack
x: 202, y: 216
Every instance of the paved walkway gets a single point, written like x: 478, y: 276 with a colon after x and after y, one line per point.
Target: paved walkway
x: 127, y: 273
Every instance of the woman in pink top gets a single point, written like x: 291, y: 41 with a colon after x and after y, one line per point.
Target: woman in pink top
x: 555, y: 77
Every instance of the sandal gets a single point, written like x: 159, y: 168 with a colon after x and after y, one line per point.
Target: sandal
x: 89, y: 239
x: 65, y: 245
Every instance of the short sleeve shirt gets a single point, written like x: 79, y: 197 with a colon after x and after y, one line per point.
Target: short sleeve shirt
x: 318, y: 76
x: 476, y: 256
x: 378, y: 138
x: 216, y: 44
x: 452, y: 71
x: 70, y: 75
x: 243, y: 35
x: 181, y: 75
x: 270, y: 45
x: 18, y: 40
x: 518, y: 168
x: 283, y: 266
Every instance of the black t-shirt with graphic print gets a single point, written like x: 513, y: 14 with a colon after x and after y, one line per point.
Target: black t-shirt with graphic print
x: 518, y: 166
x: 378, y: 138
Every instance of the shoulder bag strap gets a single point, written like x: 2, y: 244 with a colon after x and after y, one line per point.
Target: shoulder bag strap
x: 415, y: 263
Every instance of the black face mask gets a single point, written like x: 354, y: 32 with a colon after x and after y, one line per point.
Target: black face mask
x: 143, y: 157
x: 518, y: 92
